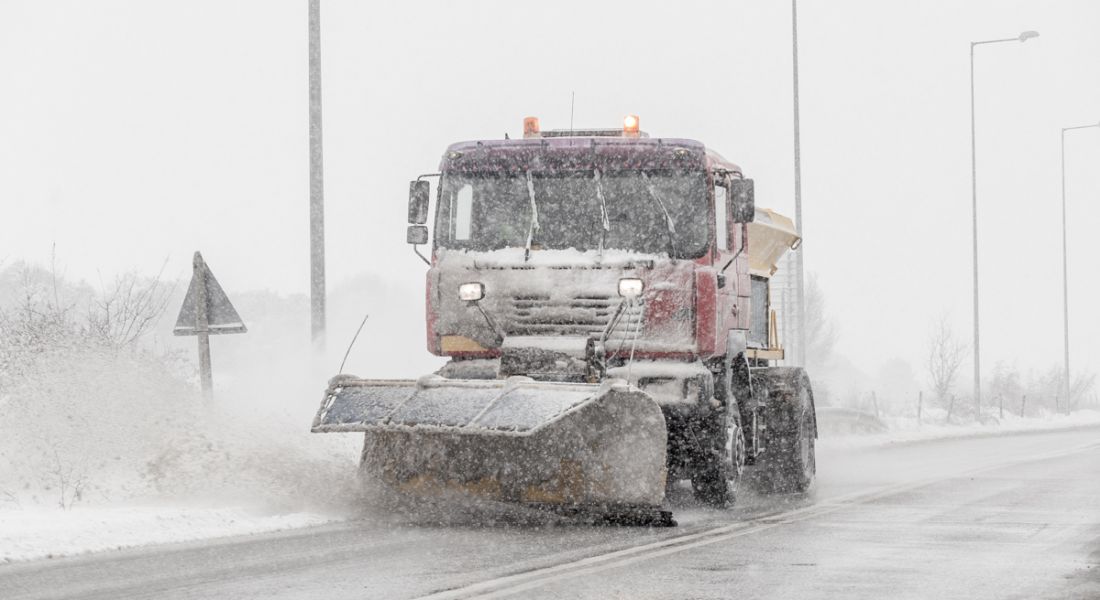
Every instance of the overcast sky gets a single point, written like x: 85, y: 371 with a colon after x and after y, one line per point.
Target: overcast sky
x: 132, y: 133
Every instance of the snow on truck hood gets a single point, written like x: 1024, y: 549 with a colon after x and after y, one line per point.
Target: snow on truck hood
x: 594, y: 259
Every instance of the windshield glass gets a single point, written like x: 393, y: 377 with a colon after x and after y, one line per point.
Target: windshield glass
x: 658, y: 212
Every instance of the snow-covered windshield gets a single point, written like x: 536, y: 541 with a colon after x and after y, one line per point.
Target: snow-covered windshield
x: 658, y: 212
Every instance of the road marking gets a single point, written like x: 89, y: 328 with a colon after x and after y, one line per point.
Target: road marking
x: 527, y: 580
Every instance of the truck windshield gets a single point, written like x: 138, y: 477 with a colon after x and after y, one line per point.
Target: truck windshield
x: 662, y: 212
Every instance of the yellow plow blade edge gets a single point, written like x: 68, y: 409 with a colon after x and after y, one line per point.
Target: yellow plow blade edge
x: 514, y: 440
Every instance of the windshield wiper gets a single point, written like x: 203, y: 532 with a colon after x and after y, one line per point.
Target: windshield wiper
x: 668, y: 217
x: 534, y: 217
x: 603, y: 211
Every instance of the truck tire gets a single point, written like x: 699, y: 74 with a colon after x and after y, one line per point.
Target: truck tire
x: 720, y: 459
x: 721, y: 463
x: 788, y: 464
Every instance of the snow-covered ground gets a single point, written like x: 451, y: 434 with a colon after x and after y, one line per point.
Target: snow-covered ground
x: 32, y: 533
x: 107, y: 486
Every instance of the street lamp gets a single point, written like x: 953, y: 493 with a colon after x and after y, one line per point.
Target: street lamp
x: 800, y: 280
x: 1023, y: 37
x: 1065, y: 263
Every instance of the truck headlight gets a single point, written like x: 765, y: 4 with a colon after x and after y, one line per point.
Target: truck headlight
x: 630, y: 287
x: 471, y: 292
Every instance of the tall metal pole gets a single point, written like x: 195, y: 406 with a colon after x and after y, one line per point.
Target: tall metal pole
x: 799, y: 279
x: 316, y: 181
x: 974, y: 215
x: 1065, y: 277
x: 1023, y: 37
x: 1065, y: 268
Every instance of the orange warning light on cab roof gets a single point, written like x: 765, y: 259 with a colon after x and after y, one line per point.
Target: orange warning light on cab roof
x: 631, y: 125
x: 530, y: 127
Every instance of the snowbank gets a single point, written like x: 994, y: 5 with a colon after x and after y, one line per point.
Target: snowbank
x: 908, y: 430
x: 106, y: 443
x: 106, y: 453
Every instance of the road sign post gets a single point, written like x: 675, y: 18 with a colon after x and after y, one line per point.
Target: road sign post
x: 202, y: 325
x: 206, y: 310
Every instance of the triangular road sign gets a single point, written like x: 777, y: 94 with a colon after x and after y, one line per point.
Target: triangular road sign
x: 220, y: 314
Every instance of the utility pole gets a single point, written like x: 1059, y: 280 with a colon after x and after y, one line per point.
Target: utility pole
x: 316, y: 181
x: 799, y: 278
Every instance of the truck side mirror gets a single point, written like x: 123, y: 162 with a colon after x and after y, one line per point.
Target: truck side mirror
x: 419, y: 191
x: 742, y: 202
x: 417, y: 234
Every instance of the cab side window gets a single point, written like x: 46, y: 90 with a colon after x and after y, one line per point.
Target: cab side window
x: 721, y: 227
x: 463, y: 209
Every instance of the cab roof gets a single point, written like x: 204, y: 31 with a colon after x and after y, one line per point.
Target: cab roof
x: 580, y: 152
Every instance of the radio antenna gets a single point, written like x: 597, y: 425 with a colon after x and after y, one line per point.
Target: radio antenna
x: 355, y: 337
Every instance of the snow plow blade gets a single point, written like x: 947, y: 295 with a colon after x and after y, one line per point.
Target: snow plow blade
x: 562, y: 446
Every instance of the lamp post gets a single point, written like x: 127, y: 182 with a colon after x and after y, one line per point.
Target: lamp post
x: 1065, y: 266
x: 1023, y: 37
x: 800, y: 294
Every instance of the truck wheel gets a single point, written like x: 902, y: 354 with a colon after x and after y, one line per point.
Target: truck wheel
x: 720, y: 462
x: 717, y: 474
x: 788, y: 464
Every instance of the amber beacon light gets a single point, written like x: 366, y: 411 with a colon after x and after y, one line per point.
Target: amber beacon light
x: 530, y: 127
x: 631, y: 125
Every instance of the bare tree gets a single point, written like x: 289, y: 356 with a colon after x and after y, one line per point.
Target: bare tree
x: 945, y: 357
x: 70, y: 481
x: 821, y: 338
x: 1005, y: 386
x: 1081, y: 387
x: 121, y: 314
x: 821, y: 334
x: 1044, y: 388
x: 9, y: 497
x: 43, y: 318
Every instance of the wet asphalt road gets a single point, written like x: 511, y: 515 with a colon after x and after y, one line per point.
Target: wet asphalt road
x: 999, y: 517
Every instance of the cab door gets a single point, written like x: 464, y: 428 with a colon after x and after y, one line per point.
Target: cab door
x: 727, y: 240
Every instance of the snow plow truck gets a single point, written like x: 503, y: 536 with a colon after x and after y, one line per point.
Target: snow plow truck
x: 603, y: 298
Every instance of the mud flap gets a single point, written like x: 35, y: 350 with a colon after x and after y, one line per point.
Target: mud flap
x: 513, y: 440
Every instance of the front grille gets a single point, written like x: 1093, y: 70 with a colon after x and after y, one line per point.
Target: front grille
x: 584, y: 316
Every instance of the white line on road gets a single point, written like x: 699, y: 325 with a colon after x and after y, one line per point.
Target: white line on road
x: 519, y: 582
